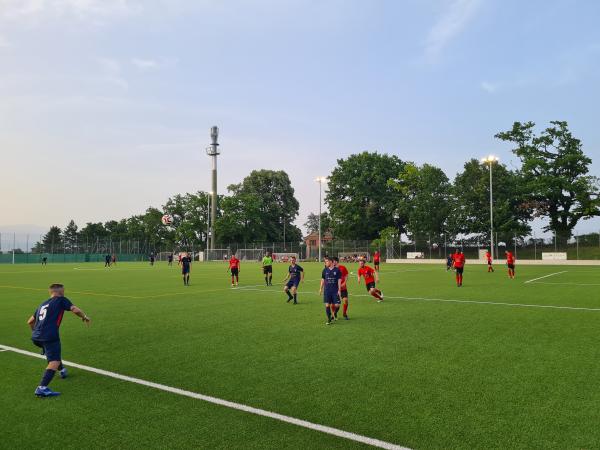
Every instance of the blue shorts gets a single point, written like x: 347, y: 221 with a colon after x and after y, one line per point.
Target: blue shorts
x: 50, y: 349
x: 330, y: 298
x: 292, y: 283
x: 185, y: 270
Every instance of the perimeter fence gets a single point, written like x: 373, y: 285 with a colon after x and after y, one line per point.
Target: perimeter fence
x: 19, y: 248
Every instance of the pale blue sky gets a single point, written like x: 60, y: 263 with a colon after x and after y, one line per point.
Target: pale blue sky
x: 105, y: 105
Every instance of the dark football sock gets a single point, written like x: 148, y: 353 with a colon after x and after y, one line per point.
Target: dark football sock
x: 61, y: 367
x: 328, y: 312
x: 295, y: 298
x: 47, y: 378
x: 289, y: 295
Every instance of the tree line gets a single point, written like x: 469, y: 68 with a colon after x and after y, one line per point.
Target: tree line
x: 374, y: 195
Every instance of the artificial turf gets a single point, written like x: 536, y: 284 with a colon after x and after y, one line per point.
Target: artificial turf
x: 415, y: 370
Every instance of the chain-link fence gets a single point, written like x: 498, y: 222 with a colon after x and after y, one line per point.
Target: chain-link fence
x: 19, y: 248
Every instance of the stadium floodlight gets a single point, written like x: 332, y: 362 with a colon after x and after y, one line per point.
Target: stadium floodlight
x: 320, y: 180
x: 213, y: 152
x: 490, y: 160
x: 208, y: 196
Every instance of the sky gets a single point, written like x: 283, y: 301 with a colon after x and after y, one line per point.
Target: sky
x: 106, y: 105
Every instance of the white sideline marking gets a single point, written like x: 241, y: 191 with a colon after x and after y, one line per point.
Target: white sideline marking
x: 217, y: 401
x: 446, y: 300
x: 569, y: 284
x: 545, y: 276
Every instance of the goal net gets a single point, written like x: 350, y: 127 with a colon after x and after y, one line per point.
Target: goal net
x: 353, y: 256
x: 218, y: 254
x: 250, y: 254
x: 164, y: 256
x: 284, y: 257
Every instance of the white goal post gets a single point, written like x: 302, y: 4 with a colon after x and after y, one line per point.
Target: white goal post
x: 218, y: 254
x: 250, y: 254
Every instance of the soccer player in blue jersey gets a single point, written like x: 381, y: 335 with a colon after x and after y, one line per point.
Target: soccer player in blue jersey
x: 331, y: 284
x: 44, y: 325
x: 295, y: 276
x: 186, y: 265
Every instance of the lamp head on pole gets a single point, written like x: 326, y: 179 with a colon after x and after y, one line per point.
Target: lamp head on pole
x: 214, y: 135
x: 490, y: 159
x: 321, y: 180
x: 212, y: 149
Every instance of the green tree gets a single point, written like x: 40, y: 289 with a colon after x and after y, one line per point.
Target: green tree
x: 360, y: 199
x: 555, y: 172
x: 52, y: 240
x: 425, y: 199
x: 312, y: 223
x: 265, y: 205
x: 471, y: 202
x: 70, y: 237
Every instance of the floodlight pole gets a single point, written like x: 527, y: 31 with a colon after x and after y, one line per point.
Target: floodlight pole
x: 208, y: 195
x: 490, y: 160
x: 320, y: 180
x: 213, y: 152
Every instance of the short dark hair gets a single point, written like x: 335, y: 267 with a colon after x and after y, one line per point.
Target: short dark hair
x: 336, y: 259
x: 56, y: 286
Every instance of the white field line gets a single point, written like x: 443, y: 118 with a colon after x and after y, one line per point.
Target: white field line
x: 217, y: 401
x: 568, y: 284
x: 446, y: 300
x: 545, y: 276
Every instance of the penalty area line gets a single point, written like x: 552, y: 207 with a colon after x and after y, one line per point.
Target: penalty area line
x: 226, y: 403
x: 545, y: 276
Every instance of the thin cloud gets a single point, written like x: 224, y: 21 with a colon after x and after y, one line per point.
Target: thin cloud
x: 489, y: 87
x: 41, y: 9
x: 449, y: 25
x: 4, y: 42
x: 145, y: 64
x: 111, y: 70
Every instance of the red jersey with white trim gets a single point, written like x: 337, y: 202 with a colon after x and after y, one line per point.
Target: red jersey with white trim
x: 344, y: 273
x: 488, y: 256
x: 234, y: 263
x: 376, y: 256
x: 368, y: 273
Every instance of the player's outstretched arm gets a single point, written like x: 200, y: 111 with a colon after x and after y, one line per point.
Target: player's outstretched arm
x: 302, y: 276
x: 321, y: 287
x: 31, y: 322
x: 79, y: 313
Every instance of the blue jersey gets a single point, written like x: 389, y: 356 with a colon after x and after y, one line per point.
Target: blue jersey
x: 331, y: 277
x: 185, y: 262
x: 295, y: 272
x: 48, y: 317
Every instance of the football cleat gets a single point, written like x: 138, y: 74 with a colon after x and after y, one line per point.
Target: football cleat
x: 45, y: 391
x: 63, y: 373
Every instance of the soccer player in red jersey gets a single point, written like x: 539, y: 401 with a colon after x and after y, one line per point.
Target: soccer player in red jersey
x: 459, y: 265
x: 371, y: 277
x: 510, y: 263
x: 343, y: 288
x: 234, y: 268
x: 376, y: 259
x: 488, y: 256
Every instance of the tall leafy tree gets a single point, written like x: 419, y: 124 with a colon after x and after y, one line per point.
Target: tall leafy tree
x: 265, y: 201
x: 471, y: 204
x: 425, y: 199
x: 70, y: 237
x: 360, y: 199
x: 52, y: 240
x: 312, y: 223
x: 556, y: 174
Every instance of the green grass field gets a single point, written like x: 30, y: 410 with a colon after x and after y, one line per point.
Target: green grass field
x: 419, y: 370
